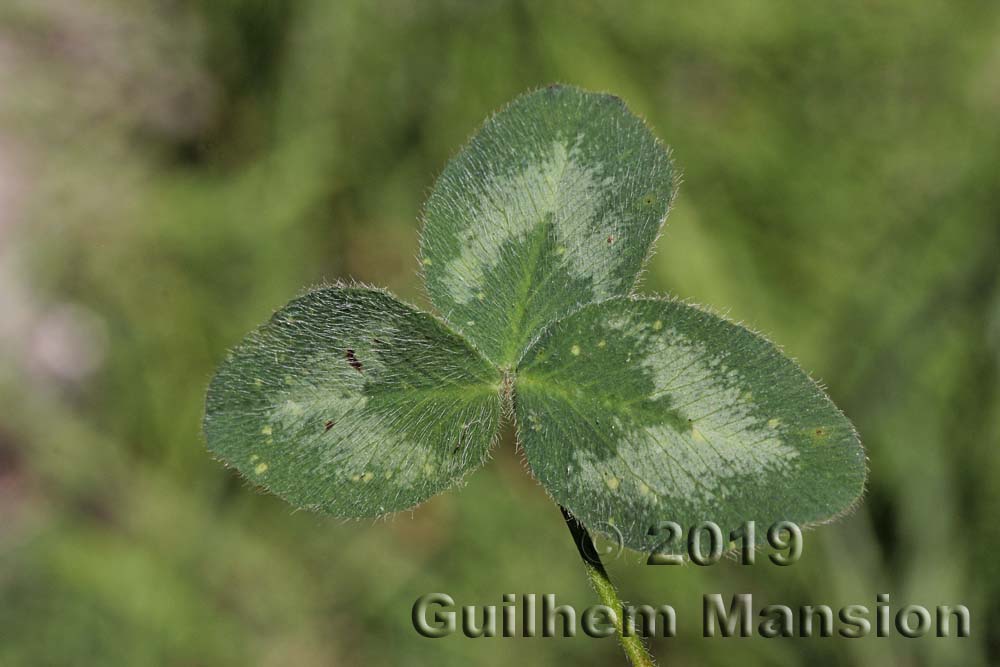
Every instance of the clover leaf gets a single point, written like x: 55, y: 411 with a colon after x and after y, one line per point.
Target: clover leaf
x: 630, y: 410
x: 634, y: 410
x: 555, y: 203
x: 352, y: 403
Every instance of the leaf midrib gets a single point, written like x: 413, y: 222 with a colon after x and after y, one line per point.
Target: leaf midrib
x: 514, y: 343
x: 446, y: 390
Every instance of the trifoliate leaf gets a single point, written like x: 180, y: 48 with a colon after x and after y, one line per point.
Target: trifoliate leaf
x: 554, y: 203
x: 352, y: 403
x: 636, y: 411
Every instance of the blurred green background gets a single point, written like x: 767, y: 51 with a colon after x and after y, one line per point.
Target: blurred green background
x: 171, y: 172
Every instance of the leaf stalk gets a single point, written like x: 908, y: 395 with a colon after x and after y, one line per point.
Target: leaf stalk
x: 637, y: 653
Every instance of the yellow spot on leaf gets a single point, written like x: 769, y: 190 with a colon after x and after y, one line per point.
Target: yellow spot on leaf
x: 427, y: 261
x: 388, y: 474
x: 266, y: 430
x: 612, y: 483
x: 602, y: 343
x: 696, y: 434
x: 261, y: 468
x: 367, y: 477
x: 657, y: 325
x: 774, y: 423
x: 536, y: 424
x: 428, y: 469
x: 355, y: 478
x: 575, y: 350
x: 643, y: 489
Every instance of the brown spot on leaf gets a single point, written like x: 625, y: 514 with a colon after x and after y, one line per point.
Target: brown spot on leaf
x: 611, y: 239
x: 353, y: 360
x: 328, y: 425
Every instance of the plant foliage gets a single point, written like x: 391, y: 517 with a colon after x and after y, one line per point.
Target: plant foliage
x: 630, y: 410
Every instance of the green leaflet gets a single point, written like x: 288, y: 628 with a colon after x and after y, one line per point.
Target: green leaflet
x: 553, y: 204
x: 636, y: 411
x: 352, y: 403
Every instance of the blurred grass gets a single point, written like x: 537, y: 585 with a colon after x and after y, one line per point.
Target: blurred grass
x: 171, y: 172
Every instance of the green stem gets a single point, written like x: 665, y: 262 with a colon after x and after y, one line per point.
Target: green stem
x: 599, y: 579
